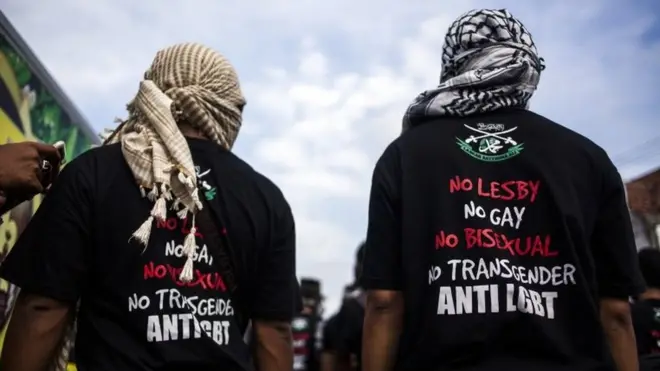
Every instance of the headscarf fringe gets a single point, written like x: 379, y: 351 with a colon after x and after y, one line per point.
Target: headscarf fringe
x: 183, y: 213
x: 165, y: 192
x: 189, y: 251
x: 176, y: 204
x: 143, y: 233
x: 153, y: 194
x: 160, y: 209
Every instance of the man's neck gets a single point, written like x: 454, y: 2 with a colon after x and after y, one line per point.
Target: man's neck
x: 189, y: 131
x: 651, y: 294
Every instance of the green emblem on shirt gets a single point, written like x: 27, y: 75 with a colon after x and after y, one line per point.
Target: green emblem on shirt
x: 210, y: 194
x: 490, y: 143
x: 209, y: 191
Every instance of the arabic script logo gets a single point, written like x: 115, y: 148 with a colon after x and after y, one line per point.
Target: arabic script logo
x: 490, y: 143
x: 209, y: 191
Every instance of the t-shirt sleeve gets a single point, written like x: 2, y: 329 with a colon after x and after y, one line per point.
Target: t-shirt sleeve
x: 613, y: 242
x: 277, y: 295
x: 381, y: 267
x: 50, y: 257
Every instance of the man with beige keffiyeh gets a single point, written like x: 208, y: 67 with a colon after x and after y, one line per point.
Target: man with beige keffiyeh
x: 161, y: 245
x: 203, y: 91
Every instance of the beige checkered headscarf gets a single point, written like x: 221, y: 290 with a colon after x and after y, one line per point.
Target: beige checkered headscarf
x: 185, y: 82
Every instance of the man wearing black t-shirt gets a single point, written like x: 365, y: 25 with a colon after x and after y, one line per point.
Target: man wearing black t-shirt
x: 328, y: 361
x: 350, y: 320
x: 342, y: 332
x: 336, y: 354
x: 162, y: 242
x: 646, y: 310
x: 497, y: 239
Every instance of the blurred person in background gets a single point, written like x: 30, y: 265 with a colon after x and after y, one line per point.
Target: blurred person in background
x: 306, y: 327
x: 646, y: 309
x: 330, y: 338
x: 23, y: 172
x: 497, y: 239
x: 331, y: 357
x: 342, y: 338
x: 168, y: 242
x: 328, y: 360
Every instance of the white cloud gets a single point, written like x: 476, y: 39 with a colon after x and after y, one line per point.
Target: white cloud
x: 327, y: 83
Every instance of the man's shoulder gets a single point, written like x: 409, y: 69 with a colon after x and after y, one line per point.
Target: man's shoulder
x: 519, y: 118
x: 260, y: 181
x: 235, y: 173
x: 331, y: 321
x: 354, y: 303
x: 571, y: 147
x: 88, y: 163
x: 98, y: 154
x: 104, y: 150
x: 570, y: 136
x: 539, y: 134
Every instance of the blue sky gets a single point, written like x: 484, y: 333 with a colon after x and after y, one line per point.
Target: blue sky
x: 327, y: 82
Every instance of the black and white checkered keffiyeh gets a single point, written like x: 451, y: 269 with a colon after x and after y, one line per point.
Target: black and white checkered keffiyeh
x: 489, y: 61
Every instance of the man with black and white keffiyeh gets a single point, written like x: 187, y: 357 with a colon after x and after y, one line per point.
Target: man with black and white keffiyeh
x: 452, y: 276
x: 489, y: 62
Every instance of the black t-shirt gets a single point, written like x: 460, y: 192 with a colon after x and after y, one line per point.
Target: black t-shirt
x: 135, y: 314
x: 503, y: 231
x: 646, y: 319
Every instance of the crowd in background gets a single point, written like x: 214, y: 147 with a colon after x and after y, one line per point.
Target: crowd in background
x: 334, y: 343
x: 165, y: 218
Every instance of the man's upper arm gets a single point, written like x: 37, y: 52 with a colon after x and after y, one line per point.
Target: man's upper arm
x: 50, y: 257
x: 276, y: 294
x: 381, y: 268
x: 613, y: 242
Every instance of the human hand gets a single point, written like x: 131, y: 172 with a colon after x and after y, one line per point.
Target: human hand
x: 22, y: 170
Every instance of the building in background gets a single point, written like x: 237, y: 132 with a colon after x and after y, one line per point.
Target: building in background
x: 32, y: 107
x: 644, y: 203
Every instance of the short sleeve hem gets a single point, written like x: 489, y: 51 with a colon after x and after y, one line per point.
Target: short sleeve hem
x: 621, y: 292
x: 272, y: 316
x: 47, y: 291
x: 380, y: 284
